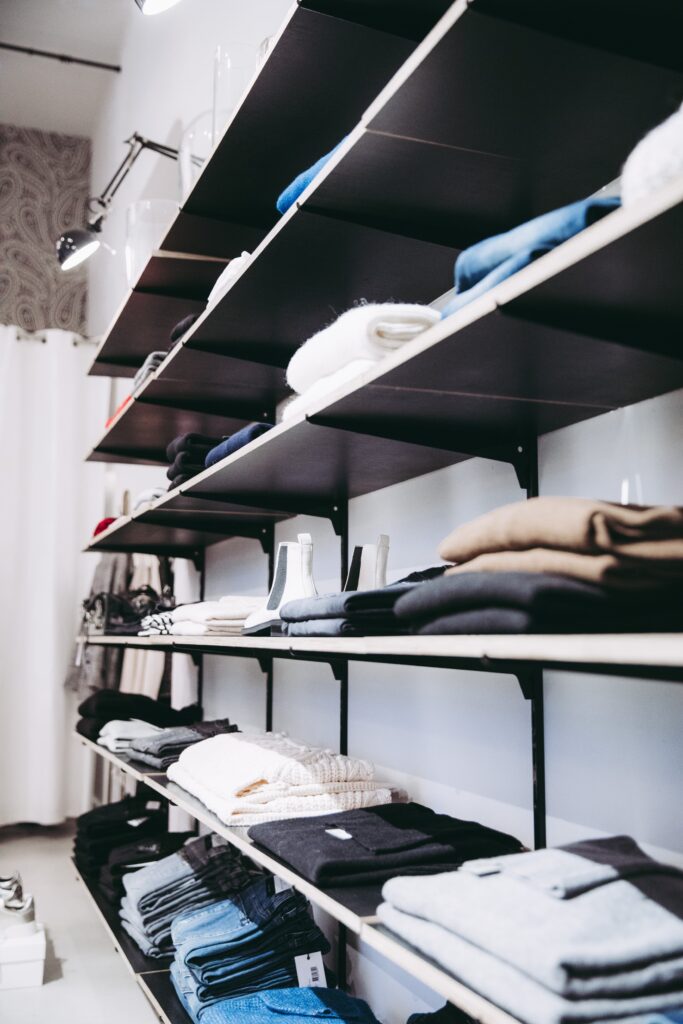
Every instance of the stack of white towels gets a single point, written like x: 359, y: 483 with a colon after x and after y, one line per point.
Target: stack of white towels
x: 224, y: 617
x: 250, y: 778
x: 118, y: 735
x: 354, y: 343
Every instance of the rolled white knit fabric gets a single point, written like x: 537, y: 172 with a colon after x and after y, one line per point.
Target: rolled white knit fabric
x: 296, y: 802
x: 327, y: 384
x: 369, y: 331
x: 655, y: 161
x: 242, y: 763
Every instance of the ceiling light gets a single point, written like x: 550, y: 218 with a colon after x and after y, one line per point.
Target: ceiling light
x: 155, y: 6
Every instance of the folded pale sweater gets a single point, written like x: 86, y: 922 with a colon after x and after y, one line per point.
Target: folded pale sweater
x: 268, y: 776
x: 369, y: 332
x: 117, y: 735
x: 597, y: 919
x: 655, y: 161
x: 510, y: 988
x: 578, y: 525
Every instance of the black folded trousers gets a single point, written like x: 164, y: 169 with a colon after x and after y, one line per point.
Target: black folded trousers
x: 366, y: 846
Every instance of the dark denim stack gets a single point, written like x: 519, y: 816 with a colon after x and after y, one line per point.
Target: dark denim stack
x: 242, y: 946
x: 200, y: 874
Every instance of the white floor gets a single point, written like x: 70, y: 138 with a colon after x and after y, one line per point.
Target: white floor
x: 85, y: 980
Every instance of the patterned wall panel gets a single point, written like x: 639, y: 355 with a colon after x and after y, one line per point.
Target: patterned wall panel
x: 44, y: 187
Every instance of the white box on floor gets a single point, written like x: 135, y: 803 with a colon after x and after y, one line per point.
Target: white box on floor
x: 22, y: 960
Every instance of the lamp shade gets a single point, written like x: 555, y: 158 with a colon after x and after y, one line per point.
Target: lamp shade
x: 75, y: 246
x: 155, y: 6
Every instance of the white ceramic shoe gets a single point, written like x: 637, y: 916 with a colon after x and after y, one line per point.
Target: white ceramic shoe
x: 17, y: 916
x: 293, y: 580
x: 368, y: 570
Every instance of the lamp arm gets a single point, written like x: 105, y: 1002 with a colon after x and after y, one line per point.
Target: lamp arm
x: 136, y: 144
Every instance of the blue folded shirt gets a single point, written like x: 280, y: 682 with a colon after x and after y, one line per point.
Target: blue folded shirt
x: 302, y: 181
x: 491, y: 261
x: 231, y: 444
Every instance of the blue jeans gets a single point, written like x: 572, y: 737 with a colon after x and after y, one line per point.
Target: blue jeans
x: 491, y: 261
x: 294, y: 1005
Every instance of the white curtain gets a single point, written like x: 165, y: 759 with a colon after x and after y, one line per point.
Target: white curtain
x: 45, y: 517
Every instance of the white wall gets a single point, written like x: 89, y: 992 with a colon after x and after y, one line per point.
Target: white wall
x: 459, y: 741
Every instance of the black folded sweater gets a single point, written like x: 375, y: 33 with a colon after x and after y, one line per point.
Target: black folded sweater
x: 367, y: 846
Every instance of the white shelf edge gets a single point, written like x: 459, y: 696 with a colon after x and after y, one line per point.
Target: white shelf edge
x: 630, y: 650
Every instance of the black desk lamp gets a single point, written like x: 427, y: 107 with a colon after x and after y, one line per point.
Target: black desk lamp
x: 78, y: 244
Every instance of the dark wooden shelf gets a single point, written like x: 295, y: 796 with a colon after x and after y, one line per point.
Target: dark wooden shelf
x: 170, y: 287
x: 159, y: 990
x: 136, y: 961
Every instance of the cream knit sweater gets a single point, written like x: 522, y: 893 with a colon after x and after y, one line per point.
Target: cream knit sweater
x: 246, y: 779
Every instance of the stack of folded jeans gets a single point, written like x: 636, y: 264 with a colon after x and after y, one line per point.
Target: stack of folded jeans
x: 162, y: 749
x: 101, y: 830
x: 238, y: 440
x: 353, y: 612
x: 247, y: 779
x: 224, y: 617
x: 556, y: 565
x: 242, y: 945
x: 186, y: 455
x: 586, y: 932
x: 367, y: 846
x: 123, y: 860
x: 486, y: 264
x: 296, y: 1006
x: 118, y: 736
x: 109, y: 705
x: 354, y: 343
x: 199, y: 874
x: 150, y: 366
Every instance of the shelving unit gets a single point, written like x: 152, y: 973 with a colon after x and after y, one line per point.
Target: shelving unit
x: 354, y: 908
x: 422, y: 171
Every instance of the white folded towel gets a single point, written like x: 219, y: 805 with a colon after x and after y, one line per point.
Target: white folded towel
x: 369, y: 331
x: 327, y: 384
x: 233, y: 269
x: 656, y: 160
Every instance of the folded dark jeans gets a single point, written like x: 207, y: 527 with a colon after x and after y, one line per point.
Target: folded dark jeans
x: 91, y: 727
x: 121, y: 810
x: 111, y: 704
x: 166, y: 747
x: 182, y: 478
x: 378, y: 843
x: 346, y: 605
x: 186, y: 441
x: 232, y: 444
x: 362, y: 625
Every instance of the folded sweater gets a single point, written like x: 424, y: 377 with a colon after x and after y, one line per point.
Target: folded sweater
x: 369, y: 331
x: 578, y: 525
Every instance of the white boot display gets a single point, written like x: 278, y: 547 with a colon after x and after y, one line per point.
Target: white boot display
x: 293, y: 580
x: 368, y: 569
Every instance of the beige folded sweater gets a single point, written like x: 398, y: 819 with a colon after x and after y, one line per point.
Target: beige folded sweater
x: 606, y: 570
x: 579, y: 525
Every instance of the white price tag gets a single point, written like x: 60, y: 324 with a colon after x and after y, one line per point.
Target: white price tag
x: 153, y: 805
x: 310, y: 970
x: 279, y: 884
x: 135, y: 822
x: 339, y: 833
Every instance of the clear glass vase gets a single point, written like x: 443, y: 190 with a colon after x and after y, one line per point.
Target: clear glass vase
x: 147, y: 221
